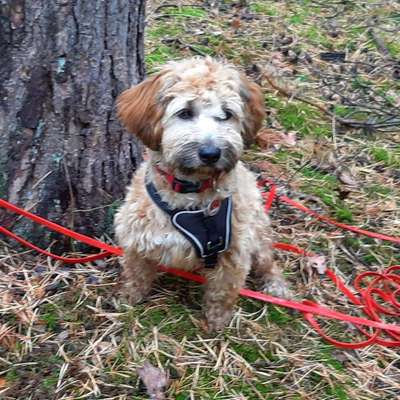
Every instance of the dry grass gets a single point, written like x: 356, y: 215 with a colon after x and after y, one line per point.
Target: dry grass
x: 63, y: 335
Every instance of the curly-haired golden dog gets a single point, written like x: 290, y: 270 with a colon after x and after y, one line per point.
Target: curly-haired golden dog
x: 192, y: 204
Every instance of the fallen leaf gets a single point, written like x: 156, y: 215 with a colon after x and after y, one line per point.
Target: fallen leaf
x: 374, y: 210
x: 39, y: 292
x: 345, y: 176
x: 236, y: 23
x: 317, y: 262
x: 155, y: 380
x: 7, y: 337
x: 267, y: 138
x: 3, y: 383
x: 290, y: 138
x: 26, y: 316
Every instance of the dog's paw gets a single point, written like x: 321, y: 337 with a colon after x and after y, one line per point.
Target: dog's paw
x: 214, y: 327
x: 217, y: 321
x: 277, y: 287
x: 131, y: 297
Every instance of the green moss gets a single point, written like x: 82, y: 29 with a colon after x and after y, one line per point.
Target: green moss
x: 359, y: 83
x: 300, y: 117
x: 316, y: 36
x: 370, y: 259
x: 342, y: 111
x: 186, y: 12
x: 297, y: 19
x: 327, y: 194
x: 161, y: 55
x: 279, y: 315
x: 162, y: 31
x: 248, y: 391
x: 338, y: 392
x: 378, y: 190
x: 312, y: 173
x: 249, y: 305
x: 325, y: 354
x: 50, y: 382
x: 394, y: 49
x: 249, y: 353
x: 12, y: 375
x: 343, y: 214
x: 50, y: 316
x: 381, y: 155
x: 262, y: 8
x: 172, y: 319
x: 352, y: 242
x: 183, y: 396
x: 281, y: 155
x: 386, y: 157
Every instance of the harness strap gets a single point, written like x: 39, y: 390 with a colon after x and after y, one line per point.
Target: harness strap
x: 209, y: 233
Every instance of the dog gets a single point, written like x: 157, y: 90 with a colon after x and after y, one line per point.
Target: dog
x: 192, y: 204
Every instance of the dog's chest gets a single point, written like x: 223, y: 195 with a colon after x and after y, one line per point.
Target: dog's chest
x: 162, y: 242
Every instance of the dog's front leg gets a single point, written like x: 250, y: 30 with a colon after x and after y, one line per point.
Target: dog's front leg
x: 221, y: 292
x: 269, y: 277
x: 137, y: 276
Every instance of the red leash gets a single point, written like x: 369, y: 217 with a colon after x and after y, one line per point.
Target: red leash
x: 364, y: 299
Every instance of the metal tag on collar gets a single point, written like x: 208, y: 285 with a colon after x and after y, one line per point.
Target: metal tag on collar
x: 213, y: 208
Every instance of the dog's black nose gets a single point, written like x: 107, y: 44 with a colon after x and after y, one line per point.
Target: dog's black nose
x: 209, y: 153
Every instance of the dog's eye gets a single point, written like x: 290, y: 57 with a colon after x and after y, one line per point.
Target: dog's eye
x: 186, y: 113
x: 227, y: 115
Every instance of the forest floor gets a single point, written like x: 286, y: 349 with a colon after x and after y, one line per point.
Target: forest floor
x: 330, y: 72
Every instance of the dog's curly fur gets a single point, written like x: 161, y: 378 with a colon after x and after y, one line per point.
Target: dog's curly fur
x: 186, y: 105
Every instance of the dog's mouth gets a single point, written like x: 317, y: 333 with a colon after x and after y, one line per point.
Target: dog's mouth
x: 198, y: 168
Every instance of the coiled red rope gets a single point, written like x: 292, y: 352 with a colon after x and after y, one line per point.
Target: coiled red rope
x: 385, y: 285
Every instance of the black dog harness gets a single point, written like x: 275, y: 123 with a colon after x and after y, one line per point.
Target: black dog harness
x: 209, y: 230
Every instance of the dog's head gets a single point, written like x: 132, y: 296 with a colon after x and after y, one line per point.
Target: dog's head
x: 198, y: 114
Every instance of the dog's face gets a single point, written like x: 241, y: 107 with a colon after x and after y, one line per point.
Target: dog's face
x: 198, y: 114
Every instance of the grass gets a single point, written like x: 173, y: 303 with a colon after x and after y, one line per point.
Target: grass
x: 299, y: 117
x: 262, y: 8
x: 186, y: 12
x: 67, y: 334
x: 161, y: 55
x: 161, y: 32
x: 386, y: 157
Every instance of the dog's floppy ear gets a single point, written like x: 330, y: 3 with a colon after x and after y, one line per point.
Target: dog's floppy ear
x: 141, y: 112
x: 254, y: 109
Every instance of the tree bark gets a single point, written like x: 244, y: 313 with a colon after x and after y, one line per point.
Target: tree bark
x: 63, y: 154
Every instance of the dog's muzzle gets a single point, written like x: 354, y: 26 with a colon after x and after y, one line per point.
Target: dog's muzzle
x: 206, y: 158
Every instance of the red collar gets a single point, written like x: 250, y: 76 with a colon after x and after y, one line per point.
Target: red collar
x: 182, y: 186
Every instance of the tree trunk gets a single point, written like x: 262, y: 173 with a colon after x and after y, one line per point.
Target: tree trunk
x: 63, y: 154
